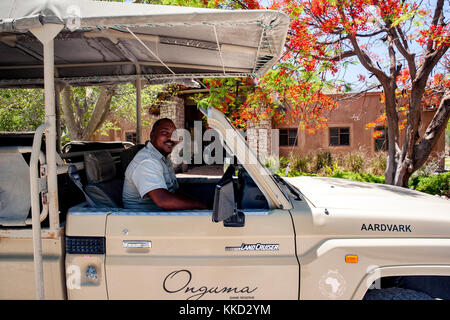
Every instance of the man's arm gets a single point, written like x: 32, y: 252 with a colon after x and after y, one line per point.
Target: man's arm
x: 170, y: 201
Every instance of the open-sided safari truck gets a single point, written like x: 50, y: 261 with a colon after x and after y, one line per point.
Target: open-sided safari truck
x: 269, y: 238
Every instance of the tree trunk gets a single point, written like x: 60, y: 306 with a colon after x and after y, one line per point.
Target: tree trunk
x: 405, y: 162
x: 414, y: 154
x: 75, y: 128
x: 393, y: 135
x: 101, y: 109
x: 434, y: 130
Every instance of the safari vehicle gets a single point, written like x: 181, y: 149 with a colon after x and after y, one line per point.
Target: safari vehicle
x: 267, y: 237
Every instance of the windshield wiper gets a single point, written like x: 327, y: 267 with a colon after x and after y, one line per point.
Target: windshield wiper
x: 292, y: 190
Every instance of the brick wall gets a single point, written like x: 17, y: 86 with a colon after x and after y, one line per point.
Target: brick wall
x: 174, y: 110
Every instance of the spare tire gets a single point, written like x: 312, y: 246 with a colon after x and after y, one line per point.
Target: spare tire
x: 395, y: 294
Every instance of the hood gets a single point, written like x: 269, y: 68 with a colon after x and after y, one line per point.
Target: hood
x: 371, y: 209
x: 346, y: 194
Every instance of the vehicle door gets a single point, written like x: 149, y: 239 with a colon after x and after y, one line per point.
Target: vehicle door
x: 184, y: 255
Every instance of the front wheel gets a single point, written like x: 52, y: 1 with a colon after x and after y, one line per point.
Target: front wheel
x: 395, y: 294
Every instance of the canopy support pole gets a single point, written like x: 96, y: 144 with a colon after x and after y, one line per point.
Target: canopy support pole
x: 45, y: 34
x: 138, y: 85
x: 58, y: 88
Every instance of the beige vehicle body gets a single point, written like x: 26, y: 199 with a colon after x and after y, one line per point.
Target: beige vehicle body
x: 313, y: 238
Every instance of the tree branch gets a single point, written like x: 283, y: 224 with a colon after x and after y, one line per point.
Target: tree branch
x: 243, y: 6
x: 367, y: 62
x: 79, y: 115
x: 431, y: 60
x: 392, y: 59
x: 403, y: 48
x: 437, y: 15
x: 362, y: 56
x: 339, y: 57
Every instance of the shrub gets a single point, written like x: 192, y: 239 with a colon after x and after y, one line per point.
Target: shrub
x: 283, y: 162
x: 322, y: 159
x: 378, y: 163
x: 273, y: 163
x: 363, y: 177
x: 302, y: 164
x: 358, y: 166
x: 433, y: 184
x: 354, y: 161
x: 293, y: 173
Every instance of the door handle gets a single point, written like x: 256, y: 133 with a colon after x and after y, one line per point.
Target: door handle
x: 136, y: 244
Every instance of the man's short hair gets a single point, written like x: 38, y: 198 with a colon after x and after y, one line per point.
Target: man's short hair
x: 158, y: 122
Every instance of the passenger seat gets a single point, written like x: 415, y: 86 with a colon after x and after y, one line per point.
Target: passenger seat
x: 103, y: 186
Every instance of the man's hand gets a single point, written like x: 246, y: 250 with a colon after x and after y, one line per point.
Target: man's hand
x: 170, y: 201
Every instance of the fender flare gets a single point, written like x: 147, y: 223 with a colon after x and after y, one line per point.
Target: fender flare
x: 409, y: 270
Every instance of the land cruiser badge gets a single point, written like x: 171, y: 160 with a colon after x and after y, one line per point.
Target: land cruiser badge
x: 254, y: 247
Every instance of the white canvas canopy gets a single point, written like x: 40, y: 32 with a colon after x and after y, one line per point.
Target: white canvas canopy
x: 111, y: 42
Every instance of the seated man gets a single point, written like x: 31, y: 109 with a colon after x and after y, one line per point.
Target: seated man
x: 150, y: 182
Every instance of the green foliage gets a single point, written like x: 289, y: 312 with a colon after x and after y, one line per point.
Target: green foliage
x: 432, y: 184
x: 123, y: 104
x: 21, y: 109
x: 229, y: 95
x: 273, y: 163
x: 283, y: 162
x: 356, y: 176
x: 293, y: 173
x: 336, y: 173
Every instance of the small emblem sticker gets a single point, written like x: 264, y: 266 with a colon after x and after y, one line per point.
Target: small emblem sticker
x: 332, y: 284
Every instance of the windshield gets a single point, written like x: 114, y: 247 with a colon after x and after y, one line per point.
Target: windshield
x: 247, y: 158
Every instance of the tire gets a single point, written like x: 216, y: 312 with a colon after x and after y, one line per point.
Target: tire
x: 396, y: 294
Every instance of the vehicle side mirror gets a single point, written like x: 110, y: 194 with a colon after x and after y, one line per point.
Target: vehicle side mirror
x: 224, y: 208
x: 224, y: 204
